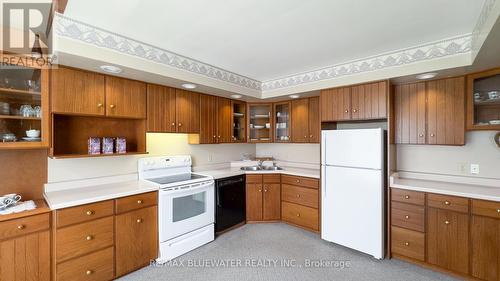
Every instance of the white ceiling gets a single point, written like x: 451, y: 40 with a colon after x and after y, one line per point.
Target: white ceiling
x: 265, y: 40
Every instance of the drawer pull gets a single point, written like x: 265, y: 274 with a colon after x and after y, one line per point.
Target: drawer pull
x: 265, y: 190
x: 298, y: 215
x: 89, y: 237
x: 446, y: 222
x: 298, y: 181
x: 407, y: 244
x: 139, y: 201
x: 88, y: 272
x: 407, y: 196
x: 298, y: 195
x: 89, y: 213
x: 407, y: 217
x: 139, y: 220
x: 498, y: 210
x: 21, y: 227
x: 447, y: 202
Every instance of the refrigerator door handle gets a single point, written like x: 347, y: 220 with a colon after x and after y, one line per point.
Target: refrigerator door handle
x: 324, y: 181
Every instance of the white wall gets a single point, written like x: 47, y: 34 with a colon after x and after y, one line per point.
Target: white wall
x: 290, y: 152
x: 157, y: 144
x: 480, y: 149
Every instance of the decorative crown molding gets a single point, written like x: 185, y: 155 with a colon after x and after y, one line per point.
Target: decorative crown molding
x: 448, y: 47
x: 86, y: 33
x: 76, y: 30
x: 481, y: 21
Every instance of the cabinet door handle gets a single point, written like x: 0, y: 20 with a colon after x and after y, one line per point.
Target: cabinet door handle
x: 112, y: 106
x: 139, y: 220
x: 89, y: 237
x: 446, y: 222
x: 21, y: 227
x: 298, y: 195
x: 407, y: 217
x: 298, y: 215
x: 265, y: 190
x: 298, y: 181
x: 407, y: 196
x: 447, y: 202
x: 421, y: 135
x: 407, y: 244
x: 88, y: 272
x: 432, y: 135
x: 354, y: 110
x: 173, y: 123
x: 99, y: 105
x: 139, y: 201
x: 305, y: 137
x: 89, y: 213
x: 310, y: 136
x: 498, y: 211
x: 180, y: 124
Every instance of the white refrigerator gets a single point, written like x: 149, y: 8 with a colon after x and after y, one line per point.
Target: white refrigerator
x: 352, y: 189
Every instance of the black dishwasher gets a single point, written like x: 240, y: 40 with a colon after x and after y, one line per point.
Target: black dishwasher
x: 229, y: 202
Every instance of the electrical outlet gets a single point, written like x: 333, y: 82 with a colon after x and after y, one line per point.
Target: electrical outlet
x: 462, y: 168
x: 474, y: 169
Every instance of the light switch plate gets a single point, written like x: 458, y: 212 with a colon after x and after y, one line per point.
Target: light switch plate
x: 474, y: 169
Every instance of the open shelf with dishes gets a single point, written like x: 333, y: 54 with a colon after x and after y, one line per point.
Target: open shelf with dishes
x: 483, y: 101
x: 282, y: 122
x: 239, y: 121
x: 260, y: 122
x: 23, y: 107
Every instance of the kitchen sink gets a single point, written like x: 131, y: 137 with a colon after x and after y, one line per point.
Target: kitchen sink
x: 261, y: 168
x: 272, y: 168
x: 251, y: 168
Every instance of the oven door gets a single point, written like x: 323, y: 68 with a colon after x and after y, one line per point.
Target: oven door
x: 185, y: 210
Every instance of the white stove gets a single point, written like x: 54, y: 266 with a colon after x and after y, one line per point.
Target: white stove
x: 186, y: 204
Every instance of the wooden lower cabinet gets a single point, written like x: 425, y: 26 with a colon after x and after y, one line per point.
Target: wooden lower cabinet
x: 263, y: 197
x: 105, y: 239
x: 448, y: 239
x: 408, y: 243
x: 136, y: 239
x: 300, y: 201
x: 300, y: 215
x: 26, y: 257
x: 485, y: 251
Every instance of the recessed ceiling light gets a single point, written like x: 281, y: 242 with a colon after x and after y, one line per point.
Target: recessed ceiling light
x: 188, y: 86
x: 294, y: 96
x: 236, y: 96
x: 111, y: 69
x: 424, y: 76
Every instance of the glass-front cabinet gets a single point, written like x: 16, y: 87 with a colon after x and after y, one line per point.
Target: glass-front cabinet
x: 23, y: 105
x: 484, y: 101
x: 282, y: 122
x: 239, y: 110
x: 260, y: 122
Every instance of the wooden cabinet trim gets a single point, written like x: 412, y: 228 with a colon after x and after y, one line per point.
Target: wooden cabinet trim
x: 83, y: 213
x: 135, y: 202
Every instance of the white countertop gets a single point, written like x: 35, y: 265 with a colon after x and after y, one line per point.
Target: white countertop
x: 486, y: 189
x: 63, y: 198
x: 234, y: 171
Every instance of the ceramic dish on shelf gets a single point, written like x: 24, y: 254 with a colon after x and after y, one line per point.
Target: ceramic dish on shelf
x: 261, y: 115
x: 494, y: 122
x: 31, y: 139
x: 258, y: 126
x: 238, y: 114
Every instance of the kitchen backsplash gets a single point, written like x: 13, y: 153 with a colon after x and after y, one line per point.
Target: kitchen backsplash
x: 291, y: 152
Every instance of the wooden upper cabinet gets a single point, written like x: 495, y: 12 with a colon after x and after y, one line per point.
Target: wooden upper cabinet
x: 314, y: 123
x: 360, y: 102
x: 187, y: 111
x: 410, y: 113
x: 208, y: 119
x: 430, y: 112
x: 446, y: 111
x: 224, y: 118
x: 300, y: 120
x: 448, y: 239
x: 77, y: 92
x: 125, y: 98
x: 161, y: 109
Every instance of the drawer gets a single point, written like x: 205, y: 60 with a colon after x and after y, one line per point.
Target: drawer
x: 303, y: 196
x: 96, y: 266
x: 80, y: 239
x: 408, y: 243
x: 446, y: 202
x: 253, y: 178
x: 408, y: 196
x: 486, y: 208
x: 300, y: 215
x: 300, y: 181
x: 83, y: 213
x: 134, y: 202
x: 408, y: 216
x: 22, y: 226
x: 272, y: 178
